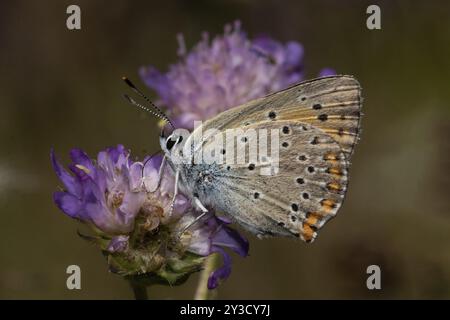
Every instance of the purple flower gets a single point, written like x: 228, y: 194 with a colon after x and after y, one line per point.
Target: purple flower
x: 222, y: 74
x: 135, y: 225
x: 105, y: 194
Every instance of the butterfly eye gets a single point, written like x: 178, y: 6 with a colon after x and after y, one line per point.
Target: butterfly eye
x: 171, y: 142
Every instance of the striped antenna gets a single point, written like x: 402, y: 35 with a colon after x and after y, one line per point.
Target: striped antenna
x: 157, y: 111
x: 137, y: 104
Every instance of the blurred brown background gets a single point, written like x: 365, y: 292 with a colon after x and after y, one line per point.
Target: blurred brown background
x: 62, y: 88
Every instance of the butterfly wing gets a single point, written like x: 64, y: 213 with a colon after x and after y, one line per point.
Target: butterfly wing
x: 332, y: 104
x: 319, y: 122
x: 306, y: 190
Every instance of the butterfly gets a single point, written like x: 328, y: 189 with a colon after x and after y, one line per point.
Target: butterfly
x: 319, y: 125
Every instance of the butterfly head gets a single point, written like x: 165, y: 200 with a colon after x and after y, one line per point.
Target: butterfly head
x: 173, y: 143
x: 169, y: 144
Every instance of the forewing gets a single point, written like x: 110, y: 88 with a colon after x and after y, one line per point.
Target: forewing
x: 323, y: 121
x: 331, y: 104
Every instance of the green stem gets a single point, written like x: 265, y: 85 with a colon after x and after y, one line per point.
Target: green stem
x: 139, y: 290
x: 202, y: 292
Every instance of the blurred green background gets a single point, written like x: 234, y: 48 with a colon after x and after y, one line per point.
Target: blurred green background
x: 62, y: 89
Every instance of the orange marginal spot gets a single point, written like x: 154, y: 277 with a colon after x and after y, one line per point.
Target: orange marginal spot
x: 328, y: 205
x: 312, y: 218
x: 334, y: 171
x: 332, y: 159
x: 337, y: 172
x: 307, y: 232
x: 330, y: 156
x: 334, y: 186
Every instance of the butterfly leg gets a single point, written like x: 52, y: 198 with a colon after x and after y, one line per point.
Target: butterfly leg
x: 160, y: 173
x: 200, y: 205
x: 204, y: 212
x: 175, y: 191
x: 196, y: 201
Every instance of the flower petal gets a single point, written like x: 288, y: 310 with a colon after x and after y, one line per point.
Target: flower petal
x: 135, y: 176
x: 118, y: 244
x: 181, y: 205
x: 293, y: 54
x: 153, y: 161
x: 68, y: 203
x: 71, y: 183
x: 151, y: 172
x: 115, y: 152
x: 230, y: 238
x: 221, y: 273
x: 132, y: 202
x: 79, y: 157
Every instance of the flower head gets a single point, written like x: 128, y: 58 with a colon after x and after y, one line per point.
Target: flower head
x: 135, y: 226
x: 218, y: 75
x: 106, y: 195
